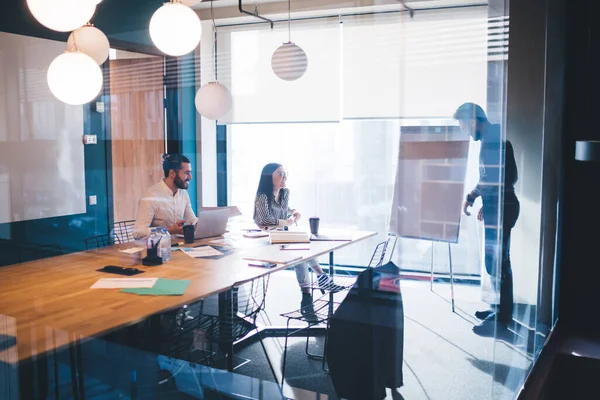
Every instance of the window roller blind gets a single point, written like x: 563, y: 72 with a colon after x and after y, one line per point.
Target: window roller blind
x: 259, y: 96
x: 424, y: 67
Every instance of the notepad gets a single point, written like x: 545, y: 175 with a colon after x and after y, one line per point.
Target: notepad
x: 289, y: 237
x: 162, y: 287
x: 120, y: 283
x: 202, y: 251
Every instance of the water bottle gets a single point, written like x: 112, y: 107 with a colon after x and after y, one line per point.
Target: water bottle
x: 151, y: 241
x: 165, y: 245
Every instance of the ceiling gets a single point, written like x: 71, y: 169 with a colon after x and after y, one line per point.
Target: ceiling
x: 228, y: 9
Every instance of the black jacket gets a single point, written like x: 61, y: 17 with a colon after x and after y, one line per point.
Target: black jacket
x: 366, y: 337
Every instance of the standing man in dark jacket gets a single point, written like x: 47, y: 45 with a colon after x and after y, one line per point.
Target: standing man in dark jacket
x: 497, y: 177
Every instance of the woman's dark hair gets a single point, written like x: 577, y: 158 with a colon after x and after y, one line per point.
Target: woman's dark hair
x: 265, y: 184
x: 173, y: 161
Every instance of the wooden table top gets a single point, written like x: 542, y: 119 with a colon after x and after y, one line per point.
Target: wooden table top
x: 54, y: 293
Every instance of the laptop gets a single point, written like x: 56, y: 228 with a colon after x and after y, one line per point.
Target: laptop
x: 211, y: 223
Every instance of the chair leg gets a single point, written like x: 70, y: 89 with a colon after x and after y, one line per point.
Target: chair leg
x: 287, y: 329
x: 311, y: 355
x: 325, y: 348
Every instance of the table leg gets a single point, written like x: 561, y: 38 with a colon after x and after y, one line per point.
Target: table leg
x: 225, y: 327
x: 331, y: 273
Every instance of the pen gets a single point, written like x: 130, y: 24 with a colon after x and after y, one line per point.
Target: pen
x: 253, y: 230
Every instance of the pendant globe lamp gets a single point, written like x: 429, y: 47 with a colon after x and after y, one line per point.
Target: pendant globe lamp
x: 62, y: 15
x: 289, y: 62
x: 91, y: 41
x: 213, y: 100
x: 175, y: 29
x: 74, y: 77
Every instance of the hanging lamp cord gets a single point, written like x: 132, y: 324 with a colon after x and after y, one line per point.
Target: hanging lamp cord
x: 214, y: 46
x: 289, y: 22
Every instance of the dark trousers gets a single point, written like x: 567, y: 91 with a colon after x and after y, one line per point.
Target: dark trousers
x: 497, y: 245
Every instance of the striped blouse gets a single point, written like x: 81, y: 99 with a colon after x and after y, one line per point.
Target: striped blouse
x: 270, y: 216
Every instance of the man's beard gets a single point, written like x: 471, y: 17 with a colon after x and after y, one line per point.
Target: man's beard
x: 180, y: 183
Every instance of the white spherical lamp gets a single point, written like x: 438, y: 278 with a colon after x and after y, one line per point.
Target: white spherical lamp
x: 74, y: 78
x: 213, y: 100
x: 62, y: 15
x: 91, y: 41
x: 289, y: 62
x: 175, y: 29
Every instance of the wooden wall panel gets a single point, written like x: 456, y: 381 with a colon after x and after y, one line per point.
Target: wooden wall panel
x: 137, y: 126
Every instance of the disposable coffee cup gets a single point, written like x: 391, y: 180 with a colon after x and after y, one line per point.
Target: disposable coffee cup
x: 188, y: 233
x: 314, y: 225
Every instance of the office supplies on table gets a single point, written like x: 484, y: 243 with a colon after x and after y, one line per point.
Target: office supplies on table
x: 123, y: 283
x: 114, y: 269
x: 281, y: 237
x: 202, y: 251
x: 188, y: 233
x: 254, y: 235
x: 211, y: 223
x: 261, y: 264
x: 295, y: 246
x: 314, y: 225
x: 162, y: 287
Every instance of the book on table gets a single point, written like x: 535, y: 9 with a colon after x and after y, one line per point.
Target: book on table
x: 282, y: 237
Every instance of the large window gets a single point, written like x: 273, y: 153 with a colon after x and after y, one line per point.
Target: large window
x: 369, y: 78
x: 345, y: 174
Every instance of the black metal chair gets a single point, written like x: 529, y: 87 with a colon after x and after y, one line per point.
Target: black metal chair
x: 238, y: 318
x: 321, y: 310
x: 123, y: 231
x: 30, y: 251
x: 96, y: 242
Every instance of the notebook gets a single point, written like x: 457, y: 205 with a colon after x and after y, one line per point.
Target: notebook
x: 280, y: 237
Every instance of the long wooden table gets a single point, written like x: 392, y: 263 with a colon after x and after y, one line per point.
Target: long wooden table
x: 54, y: 294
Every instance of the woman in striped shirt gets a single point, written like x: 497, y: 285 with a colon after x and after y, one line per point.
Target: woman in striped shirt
x: 271, y: 209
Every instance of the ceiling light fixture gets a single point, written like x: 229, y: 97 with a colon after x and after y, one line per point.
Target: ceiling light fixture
x: 175, y: 29
x: 213, y: 100
x: 74, y: 78
x: 91, y: 41
x: 289, y: 62
x: 62, y: 15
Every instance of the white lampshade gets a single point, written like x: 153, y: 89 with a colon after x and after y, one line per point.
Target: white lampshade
x: 62, y: 15
x: 289, y: 62
x: 175, y: 29
x: 190, y: 3
x: 74, y: 78
x: 91, y: 41
x: 213, y: 100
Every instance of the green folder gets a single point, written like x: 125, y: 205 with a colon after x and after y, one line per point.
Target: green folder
x: 162, y: 287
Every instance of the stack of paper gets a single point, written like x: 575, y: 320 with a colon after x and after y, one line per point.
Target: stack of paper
x: 289, y: 237
x: 202, y: 251
x: 144, y: 286
x: 120, y: 283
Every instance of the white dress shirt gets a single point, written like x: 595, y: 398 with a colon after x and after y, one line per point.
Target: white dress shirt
x: 160, y: 207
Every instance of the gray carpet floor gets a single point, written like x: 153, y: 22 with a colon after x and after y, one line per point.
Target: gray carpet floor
x: 443, y: 359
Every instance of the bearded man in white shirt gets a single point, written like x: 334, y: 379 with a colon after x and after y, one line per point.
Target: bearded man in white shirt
x: 166, y: 204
